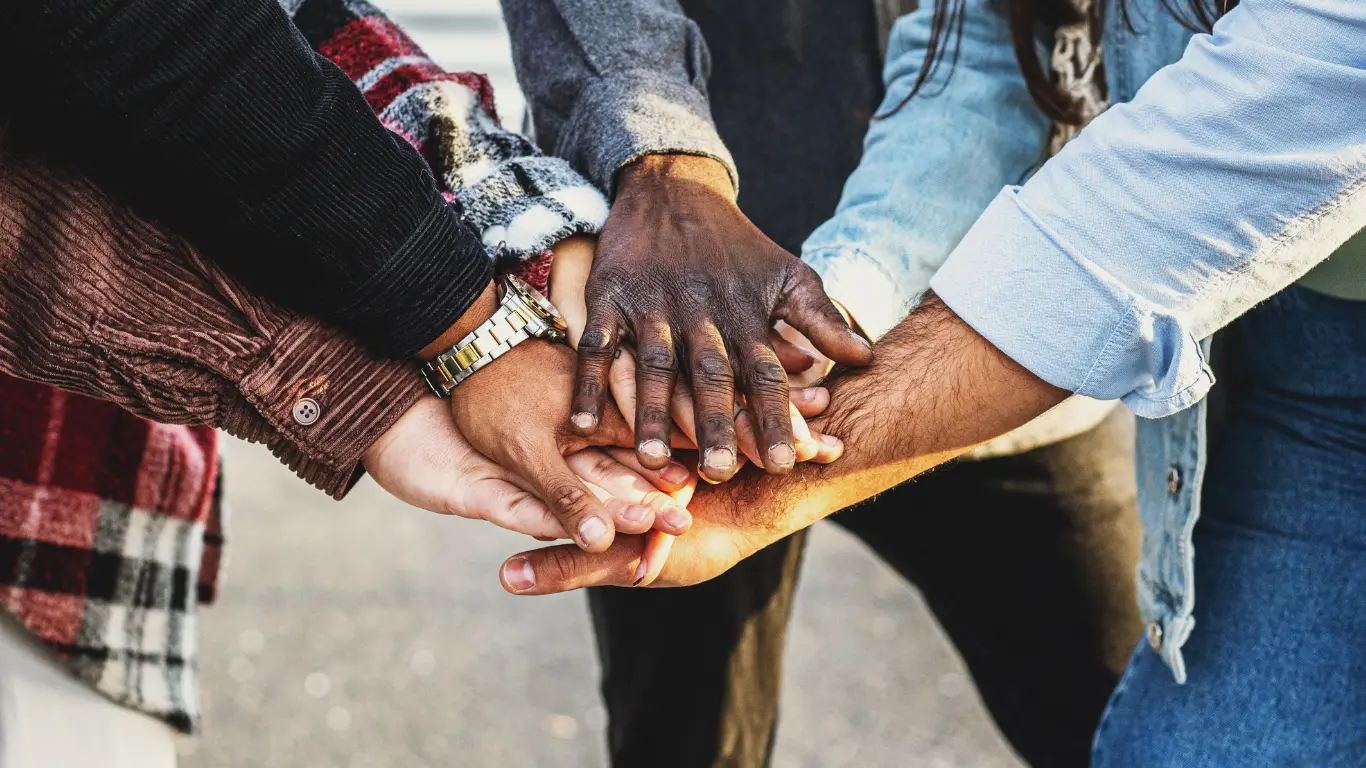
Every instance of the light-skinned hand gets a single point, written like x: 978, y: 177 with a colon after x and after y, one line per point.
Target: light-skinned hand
x: 423, y: 460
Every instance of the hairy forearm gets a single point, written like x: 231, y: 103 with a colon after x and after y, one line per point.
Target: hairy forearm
x: 935, y: 390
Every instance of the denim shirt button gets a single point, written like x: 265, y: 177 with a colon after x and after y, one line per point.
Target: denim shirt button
x: 1174, y: 480
x: 1155, y: 636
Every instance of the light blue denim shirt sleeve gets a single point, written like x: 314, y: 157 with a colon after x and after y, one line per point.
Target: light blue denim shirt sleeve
x: 1231, y: 173
x: 929, y: 170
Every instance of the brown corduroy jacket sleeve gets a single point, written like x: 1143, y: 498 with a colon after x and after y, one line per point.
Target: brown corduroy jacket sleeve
x: 95, y: 300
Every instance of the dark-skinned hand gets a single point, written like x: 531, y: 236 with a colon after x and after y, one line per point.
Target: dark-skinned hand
x: 682, y: 272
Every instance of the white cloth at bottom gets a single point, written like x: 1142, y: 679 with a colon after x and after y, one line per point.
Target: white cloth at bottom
x: 49, y: 719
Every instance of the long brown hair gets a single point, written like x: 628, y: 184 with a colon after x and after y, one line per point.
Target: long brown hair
x: 1024, y: 17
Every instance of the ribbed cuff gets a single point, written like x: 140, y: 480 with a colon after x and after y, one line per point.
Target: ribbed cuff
x: 357, y: 396
x: 625, y: 117
x: 429, y: 283
x: 529, y: 204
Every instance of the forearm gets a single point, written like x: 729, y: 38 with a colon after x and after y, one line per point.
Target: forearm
x: 1176, y: 212
x: 609, y: 81
x: 218, y: 118
x: 935, y: 390
x: 98, y: 301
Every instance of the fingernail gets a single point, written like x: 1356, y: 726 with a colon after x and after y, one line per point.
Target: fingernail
x: 782, y: 455
x: 804, y: 395
x: 830, y: 440
x: 677, y: 517
x: 675, y: 473
x: 640, y: 573
x: 719, y: 458
x: 860, y: 338
x: 592, y: 530
x: 635, y: 513
x: 584, y: 420
x: 519, y: 574
x: 654, y: 449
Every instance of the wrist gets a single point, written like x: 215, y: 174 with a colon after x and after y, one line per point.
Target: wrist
x: 482, y: 309
x: 568, y: 279
x: 653, y: 172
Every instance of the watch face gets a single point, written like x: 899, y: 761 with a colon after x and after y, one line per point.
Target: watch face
x: 533, y: 297
x: 555, y: 325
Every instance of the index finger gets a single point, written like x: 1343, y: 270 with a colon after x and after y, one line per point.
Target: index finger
x: 807, y: 308
x: 597, y: 347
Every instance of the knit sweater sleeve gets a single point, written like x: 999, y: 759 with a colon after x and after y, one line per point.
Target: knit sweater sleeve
x: 520, y: 201
x: 217, y: 117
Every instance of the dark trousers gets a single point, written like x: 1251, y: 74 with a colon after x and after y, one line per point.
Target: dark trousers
x: 1027, y: 562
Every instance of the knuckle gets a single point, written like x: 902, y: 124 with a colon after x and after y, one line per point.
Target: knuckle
x: 718, y: 427
x: 696, y: 291
x: 805, y: 277
x: 623, y: 374
x: 603, y: 466
x: 712, y: 369
x: 775, y: 421
x: 526, y: 448
x: 562, y: 564
x: 570, y: 497
x: 657, y: 359
x: 596, y: 343
x: 606, y: 280
x: 767, y: 375
x: 589, y: 388
x: 654, y: 416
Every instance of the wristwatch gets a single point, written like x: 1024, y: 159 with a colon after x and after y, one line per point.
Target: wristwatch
x: 523, y: 314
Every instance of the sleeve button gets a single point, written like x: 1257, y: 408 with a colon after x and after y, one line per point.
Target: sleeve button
x: 306, y: 411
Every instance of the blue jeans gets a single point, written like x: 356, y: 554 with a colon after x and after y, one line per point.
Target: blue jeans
x: 1277, y: 661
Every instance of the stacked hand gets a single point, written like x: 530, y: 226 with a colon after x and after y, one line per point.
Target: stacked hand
x: 681, y: 272
x: 425, y: 461
x: 532, y: 446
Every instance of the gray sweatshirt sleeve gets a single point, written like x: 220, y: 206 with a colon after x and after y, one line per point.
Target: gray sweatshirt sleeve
x: 609, y: 81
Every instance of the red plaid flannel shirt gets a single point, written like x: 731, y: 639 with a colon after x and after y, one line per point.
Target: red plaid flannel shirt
x: 110, y: 532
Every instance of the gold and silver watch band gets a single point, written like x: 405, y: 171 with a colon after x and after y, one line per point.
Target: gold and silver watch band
x: 517, y: 319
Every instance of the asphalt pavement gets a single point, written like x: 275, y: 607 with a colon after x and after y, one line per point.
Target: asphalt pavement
x: 368, y: 634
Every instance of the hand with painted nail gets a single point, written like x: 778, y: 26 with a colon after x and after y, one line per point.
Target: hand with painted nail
x: 966, y: 392
x: 425, y: 461
x: 516, y: 413
x: 729, y: 524
x: 694, y: 285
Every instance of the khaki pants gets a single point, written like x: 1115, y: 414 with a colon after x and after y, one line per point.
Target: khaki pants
x: 49, y: 719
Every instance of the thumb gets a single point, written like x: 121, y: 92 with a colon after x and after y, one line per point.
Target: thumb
x: 579, y: 511
x: 565, y: 567
x: 810, y: 311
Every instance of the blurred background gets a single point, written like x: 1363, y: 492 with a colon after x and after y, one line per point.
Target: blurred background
x: 367, y: 634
